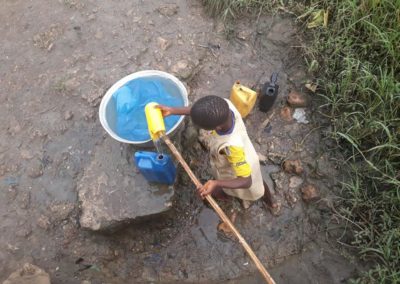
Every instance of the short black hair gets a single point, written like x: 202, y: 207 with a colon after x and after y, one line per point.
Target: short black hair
x: 209, y: 112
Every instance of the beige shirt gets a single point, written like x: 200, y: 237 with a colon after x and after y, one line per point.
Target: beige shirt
x: 221, y: 147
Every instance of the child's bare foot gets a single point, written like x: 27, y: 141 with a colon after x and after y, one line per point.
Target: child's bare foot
x: 274, y: 207
x: 246, y: 204
x: 224, y: 229
x: 270, y: 203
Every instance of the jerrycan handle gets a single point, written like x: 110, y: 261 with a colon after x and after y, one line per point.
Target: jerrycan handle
x: 244, y: 93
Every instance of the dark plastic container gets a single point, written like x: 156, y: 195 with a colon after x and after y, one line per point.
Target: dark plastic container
x: 158, y: 168
x: 269, y: 93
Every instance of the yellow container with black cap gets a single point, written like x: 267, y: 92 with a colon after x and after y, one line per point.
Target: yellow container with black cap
x: 155, y: 121
x: 243, y: 98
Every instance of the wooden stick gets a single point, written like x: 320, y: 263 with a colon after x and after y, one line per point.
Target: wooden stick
x: 220, y: 213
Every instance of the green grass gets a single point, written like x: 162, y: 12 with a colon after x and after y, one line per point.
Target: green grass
x: 356, y: 63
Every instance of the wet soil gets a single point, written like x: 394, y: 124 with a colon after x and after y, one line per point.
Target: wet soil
x: 57, y: 60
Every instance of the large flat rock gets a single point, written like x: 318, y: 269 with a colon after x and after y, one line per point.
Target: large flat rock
x: 112, y: 192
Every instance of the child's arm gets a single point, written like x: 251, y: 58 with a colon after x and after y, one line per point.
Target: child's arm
x: 237, y: 158
x: 211, y: 185
x: 166, y: 110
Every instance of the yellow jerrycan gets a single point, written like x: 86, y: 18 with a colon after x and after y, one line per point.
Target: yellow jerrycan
x: 243, y: 98
x: 155, y: 121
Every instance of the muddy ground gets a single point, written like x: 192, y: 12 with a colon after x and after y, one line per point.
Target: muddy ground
x: 57, y: 60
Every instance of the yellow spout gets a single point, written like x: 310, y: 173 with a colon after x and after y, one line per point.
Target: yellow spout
x: 155, y: 121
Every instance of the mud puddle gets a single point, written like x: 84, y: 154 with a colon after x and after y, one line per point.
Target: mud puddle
x: 59, y: 58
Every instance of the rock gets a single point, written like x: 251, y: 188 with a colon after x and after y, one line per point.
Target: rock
x: 61, y: 211
x: 35, y: 168
x: 168, y: 10
x: 295, y: 181
x: 43, y: 222
x: 68, y: 115
x: 28, y: 274
x: 183, y: 68
x: 293, y: 167
x: 286, y: 113
x: 300, y: 115
x: 112, y: 193
x: 296, y: 99
x: 310, y: 193
x: 163, y: 44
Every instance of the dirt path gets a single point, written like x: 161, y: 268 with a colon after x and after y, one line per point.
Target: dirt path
x: 57, y: 60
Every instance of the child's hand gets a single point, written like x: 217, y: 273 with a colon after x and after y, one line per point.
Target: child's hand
x: 207, y: 188
x: 165, y: 110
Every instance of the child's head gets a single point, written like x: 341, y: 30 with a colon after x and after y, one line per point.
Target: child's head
x: 210, y: 112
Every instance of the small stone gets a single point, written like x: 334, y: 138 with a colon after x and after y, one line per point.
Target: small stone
x: 295, y: 181
x: 68, y: 115
x: 29, y: 273
x: 163, y: 44
x: 168, y: 10
x: 99, y: 35
x: 310, y: 193
x: 244, y: 35
x: 43, y: 222
x: 71, y: 84
x: 91, y: 17
x: 286, y: 113
x: 296, y: 99
x: 293, y: 167
x: 26, y: 154
x: 86, y: 282
x: 35, y: 168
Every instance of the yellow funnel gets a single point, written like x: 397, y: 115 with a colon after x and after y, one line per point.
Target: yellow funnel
x: 155, y: 121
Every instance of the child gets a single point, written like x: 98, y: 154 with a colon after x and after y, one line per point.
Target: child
x: 233, y: 159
